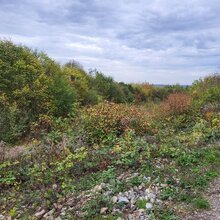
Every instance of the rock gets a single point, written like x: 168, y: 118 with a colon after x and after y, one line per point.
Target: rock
x: 103, y: 185
x: 58, y: 218
x: 114, y: 199
x: 130, y: 217
x: 158, y: 201
x: 97, y: 188
x: 70, y: 202
x: 141, y: 210
x: 163, y: 185
x: 116, y: 211
x: 147, y: 191
x: 40, y: 213
x: 50, y: 213
x: 126, y: 194
x: 48, y: 218
x: 63, y: 209
x: 142, y: 193
x: 141, y: 198
x: 149, y: 206
x: 151, y: 195
x: 108, y: 193
x: 59, y: 207
x: 131, y: 195
x: 54, y: 186
x: 123, y: 199
x: 133, y: 201
x: 147, y: 198
x: 152, y: 200
x: 119, y: 218
x: 63, y: 213
x: 132, y: 207
x: 136, y: 188
x: 103, y: 210
x: 2, y: 217
x: 140, y: 187
x: 138, y: 214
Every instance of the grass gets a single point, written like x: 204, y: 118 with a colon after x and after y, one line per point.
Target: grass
x: 141, y: 203
x: 201, y: 203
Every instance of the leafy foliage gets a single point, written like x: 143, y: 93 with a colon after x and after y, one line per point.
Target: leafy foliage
x: 87, y: 129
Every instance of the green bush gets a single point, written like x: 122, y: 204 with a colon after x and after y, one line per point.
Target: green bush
x: 207, y: 90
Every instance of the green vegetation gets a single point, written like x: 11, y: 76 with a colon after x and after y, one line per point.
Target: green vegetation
x: 83, y: 133
x: 201, y: 203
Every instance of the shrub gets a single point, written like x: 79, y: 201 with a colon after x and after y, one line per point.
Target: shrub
x: 175, y: 104
x: 207, y: 90
x: 31, y: 85
x: 109, y: 118
x: 13, y: 123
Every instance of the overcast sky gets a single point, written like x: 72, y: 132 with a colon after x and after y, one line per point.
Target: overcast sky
x: 157, y: 41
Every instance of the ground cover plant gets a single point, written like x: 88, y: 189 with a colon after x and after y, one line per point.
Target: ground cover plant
x: 87, y: 147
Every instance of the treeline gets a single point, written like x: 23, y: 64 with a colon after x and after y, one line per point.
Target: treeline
x: 32, y: 85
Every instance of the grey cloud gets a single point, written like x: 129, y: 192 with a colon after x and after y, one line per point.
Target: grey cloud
x: 160, y: 41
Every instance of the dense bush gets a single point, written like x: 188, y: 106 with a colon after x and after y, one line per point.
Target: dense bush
x: 109, y: 118
x: 176, y: 103
x: 35, y: 91
x: 87, y: 129
x: 207, y: 91
x: 31, y: 85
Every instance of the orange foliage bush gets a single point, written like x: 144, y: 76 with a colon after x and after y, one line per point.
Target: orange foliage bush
x: 176, y: 103
x: 109, y: 118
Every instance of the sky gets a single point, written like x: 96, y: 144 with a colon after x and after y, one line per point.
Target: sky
x: 155, y: 41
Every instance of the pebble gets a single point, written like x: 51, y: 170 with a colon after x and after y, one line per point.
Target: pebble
x: 149, y: 206
x: 123, y: 199
x: 147, y: 191
x: 147, y: 179
x: 114, y: 199
x: 97, y: 188
x: 50, y: 213
x: 39, y: 214
x: 103, y: 210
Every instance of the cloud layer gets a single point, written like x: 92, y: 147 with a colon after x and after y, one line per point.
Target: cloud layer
x: 159, y: 41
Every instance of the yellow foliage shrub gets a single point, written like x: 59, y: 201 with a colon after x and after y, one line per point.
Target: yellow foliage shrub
x: 109, y: 118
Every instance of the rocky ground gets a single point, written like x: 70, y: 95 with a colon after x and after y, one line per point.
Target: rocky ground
x: 133, y: 204
x: 137, y: 203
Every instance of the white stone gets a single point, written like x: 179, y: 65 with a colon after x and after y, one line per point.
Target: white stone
x: 152, y: 200
x: 97, y: 188
x: 147, y: 191
x: 151, y: 195
x: 149, y: 206
x: 103, y: 210
x: 114, y: 199
x: 39, y: 214
x: 123, y: 199
x: 141, y: 210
